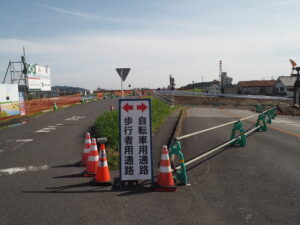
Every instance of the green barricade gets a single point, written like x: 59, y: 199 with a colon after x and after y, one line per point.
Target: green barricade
x: 241, y: 141
x: 261, y: 121
x: 180, y: 175
x: 55, y: 107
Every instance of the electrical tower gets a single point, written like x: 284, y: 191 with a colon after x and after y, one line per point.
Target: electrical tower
x: 16, y: 72
x: 296, y: 99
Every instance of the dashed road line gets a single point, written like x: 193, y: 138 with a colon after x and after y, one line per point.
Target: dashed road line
x: 47, y: 129
x: 11, y: 171
x: 75, y: 118
x: 25, y: 140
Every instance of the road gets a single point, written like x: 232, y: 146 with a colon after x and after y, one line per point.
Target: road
x: 258, y: 184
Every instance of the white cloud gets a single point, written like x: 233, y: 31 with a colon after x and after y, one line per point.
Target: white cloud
x: 89, y: 61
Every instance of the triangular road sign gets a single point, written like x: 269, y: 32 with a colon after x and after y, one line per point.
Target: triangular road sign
x: 123, y: 72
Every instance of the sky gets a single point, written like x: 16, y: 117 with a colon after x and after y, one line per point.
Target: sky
x: 84, y: 41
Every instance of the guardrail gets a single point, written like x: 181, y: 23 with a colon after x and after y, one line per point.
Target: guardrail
x: 175, y: 149
x: 191, y: 93
x: 162, y: 98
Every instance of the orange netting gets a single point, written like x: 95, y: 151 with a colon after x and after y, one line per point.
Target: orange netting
x: 38, y: 105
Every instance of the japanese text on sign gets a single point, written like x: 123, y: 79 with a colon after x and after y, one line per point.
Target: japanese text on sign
x: 135, y: 140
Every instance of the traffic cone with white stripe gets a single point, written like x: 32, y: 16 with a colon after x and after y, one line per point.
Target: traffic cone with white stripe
x: 165, y: 181
x: 103, y: 175
x: 86, y: 151
x: 93, y: 158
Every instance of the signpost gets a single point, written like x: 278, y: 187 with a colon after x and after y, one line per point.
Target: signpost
x: 123, y: 73
x: 135, y: 139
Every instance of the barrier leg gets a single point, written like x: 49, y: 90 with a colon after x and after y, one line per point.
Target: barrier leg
x: 238, y: 126
x: 269, y: 115
x: 261, y: 121
x: 180, y: 175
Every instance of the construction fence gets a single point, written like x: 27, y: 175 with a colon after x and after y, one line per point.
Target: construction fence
x: 46, y: 104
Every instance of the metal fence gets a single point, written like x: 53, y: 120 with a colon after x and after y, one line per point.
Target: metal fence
x: 199, y: 94
x: 175, y: 148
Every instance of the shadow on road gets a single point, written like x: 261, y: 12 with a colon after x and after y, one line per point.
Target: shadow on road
x: 63, y: 166
x: 70, y: 176
x: 66, y: 189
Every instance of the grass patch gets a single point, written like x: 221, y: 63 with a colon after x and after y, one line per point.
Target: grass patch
x: 107, y: 125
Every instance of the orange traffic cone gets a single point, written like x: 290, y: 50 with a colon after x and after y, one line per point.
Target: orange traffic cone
x: 93, y: 158
x: 86, y: 151
x: 165, y: 181
x: 103, y: 175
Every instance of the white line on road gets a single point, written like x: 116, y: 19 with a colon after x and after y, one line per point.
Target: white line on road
x: 75, y: 118
x: 11, y: 171
x: 24, y: 140
x: 44, y: 130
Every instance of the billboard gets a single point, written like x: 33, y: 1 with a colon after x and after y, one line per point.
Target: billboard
x: 38, y: 78
x: 9, y: 100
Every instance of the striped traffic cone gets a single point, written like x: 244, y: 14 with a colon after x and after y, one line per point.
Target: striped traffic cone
x: 86, y: 151
x: 165, y: 181
x: 93, y: 158
x: 103, y: 175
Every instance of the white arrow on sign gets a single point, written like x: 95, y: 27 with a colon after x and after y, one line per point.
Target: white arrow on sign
x: 123, y: 72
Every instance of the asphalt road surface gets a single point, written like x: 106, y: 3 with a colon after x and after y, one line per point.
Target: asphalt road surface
x: 257, y: 184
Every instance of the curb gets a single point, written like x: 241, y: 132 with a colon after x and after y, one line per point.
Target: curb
x: 178, y: 126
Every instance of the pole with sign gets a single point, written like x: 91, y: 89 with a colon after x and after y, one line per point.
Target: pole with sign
x: 123, y: 73
x: 135, y: 139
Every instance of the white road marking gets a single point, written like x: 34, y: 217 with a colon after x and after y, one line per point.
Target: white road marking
x: 75, y: 118
x: 11, y: 171
x: 43, y: 131
x: 59, y: 124
x: 51, y: 128
x: 24, y: 140
x: 47, y: 129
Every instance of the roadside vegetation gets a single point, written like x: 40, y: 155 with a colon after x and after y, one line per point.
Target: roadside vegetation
x: 107, y: 125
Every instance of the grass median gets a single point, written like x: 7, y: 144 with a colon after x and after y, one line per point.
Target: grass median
x: 107, y: 125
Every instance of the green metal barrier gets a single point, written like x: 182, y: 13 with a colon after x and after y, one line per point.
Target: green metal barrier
x: 55, y: 108
x: 261, y: 121
x: 241, y: 141
x: 180, y: 175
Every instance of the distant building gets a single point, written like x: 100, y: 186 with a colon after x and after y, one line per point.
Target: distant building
x: 212, y: 87
x: 284, y: 86
x: 257, y: 87
x: 225, y: 80
x: 231, y: 89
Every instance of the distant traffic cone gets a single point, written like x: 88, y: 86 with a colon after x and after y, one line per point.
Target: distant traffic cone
x: 165, y: 181
x: 55, y: 107
x: 103, y: 175
x: 93, y: 158
x: 86, y: 151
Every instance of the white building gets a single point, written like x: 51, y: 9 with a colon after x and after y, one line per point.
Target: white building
x: 214, y: 89
x: 284, y: 86
x: 225, y: 80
